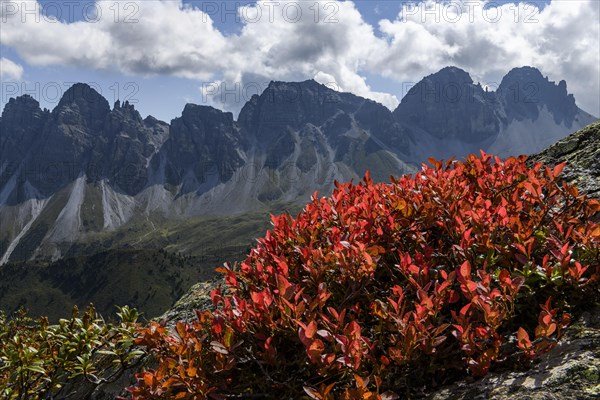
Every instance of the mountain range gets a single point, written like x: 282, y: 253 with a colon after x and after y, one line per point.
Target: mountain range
x: 85, y: 170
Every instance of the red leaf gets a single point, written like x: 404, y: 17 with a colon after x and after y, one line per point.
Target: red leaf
x: 523, y: 339
x: 311, y: 329
x: 558, y: 169
x: 465, y: 270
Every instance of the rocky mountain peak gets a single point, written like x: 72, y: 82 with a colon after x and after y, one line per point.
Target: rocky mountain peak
x: 99, y: 168
x: 19, y: 105
x: 451, y: 74
x: 127, y: 110
x: 82, y: 105
x: 290, y: 105
x: 21, y: 126
x: 523, y: 74
x: 201, y: 141
x: 22, y: 115
x: 194, y: 111
x: 450, y: 106
x: 82, y: 92
x: 525, y: 91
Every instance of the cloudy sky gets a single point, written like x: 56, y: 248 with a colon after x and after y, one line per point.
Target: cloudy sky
x: 161, y: 54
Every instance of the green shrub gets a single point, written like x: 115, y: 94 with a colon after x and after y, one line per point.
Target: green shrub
x: 38, y: 360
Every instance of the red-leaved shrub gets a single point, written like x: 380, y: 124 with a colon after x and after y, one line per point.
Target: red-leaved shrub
x: 382, y: 289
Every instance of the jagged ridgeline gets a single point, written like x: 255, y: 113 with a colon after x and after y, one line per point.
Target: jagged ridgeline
x: 86, y: 178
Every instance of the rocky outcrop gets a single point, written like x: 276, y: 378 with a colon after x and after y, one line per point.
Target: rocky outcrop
x: 569, y: 371
x: 449, y: 105
x: 581, y: 152
x: 196, y: 298
x: 447, y: 114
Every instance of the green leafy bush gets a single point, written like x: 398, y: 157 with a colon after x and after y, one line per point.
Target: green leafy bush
x: 37, y: 359
x: 381, y: 289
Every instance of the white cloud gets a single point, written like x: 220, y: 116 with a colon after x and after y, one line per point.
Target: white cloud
x: 9, y: 70
x: 166, y: 38
x: 275, y: 43
x: 562, y: 40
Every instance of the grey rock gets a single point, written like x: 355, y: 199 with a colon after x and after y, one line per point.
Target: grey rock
x: 569, y: 371
x: 202, y: 140
x: 449, y: 105
x: 524, y: 90
x: 581, y: 153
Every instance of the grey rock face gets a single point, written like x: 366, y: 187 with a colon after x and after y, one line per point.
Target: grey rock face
x: 453, y: 116
x: 21, y: 126
x: 81, y: 136
x: 290, y: 105
x: 203, y: 141
x: 128, y: 145
x: 62, y: 143
x: 524, y: 91
x: 204, y: 147
x: 449, y: 105
x: 331, y: 120
x: 581, y: 152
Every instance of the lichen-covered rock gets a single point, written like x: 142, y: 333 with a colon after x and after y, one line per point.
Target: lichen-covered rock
x: 581, y: 152
x: 197, y: 298
x: 570, y: 371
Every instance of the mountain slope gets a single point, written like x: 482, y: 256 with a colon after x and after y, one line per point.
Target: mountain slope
x: 150, y: 280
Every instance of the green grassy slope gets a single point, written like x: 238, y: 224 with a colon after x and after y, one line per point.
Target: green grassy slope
x: 147, y: 264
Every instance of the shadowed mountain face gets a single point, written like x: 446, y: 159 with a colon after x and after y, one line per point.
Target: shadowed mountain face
x: 85, y: 167
x: 202, y: 140
x: 524, y: 91
x: 44, y: 152
x: 448, y: 114
x: 448, y: 105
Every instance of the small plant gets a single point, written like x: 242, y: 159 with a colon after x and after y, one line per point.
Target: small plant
x: 382, y: 289
x: 39, y: 360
